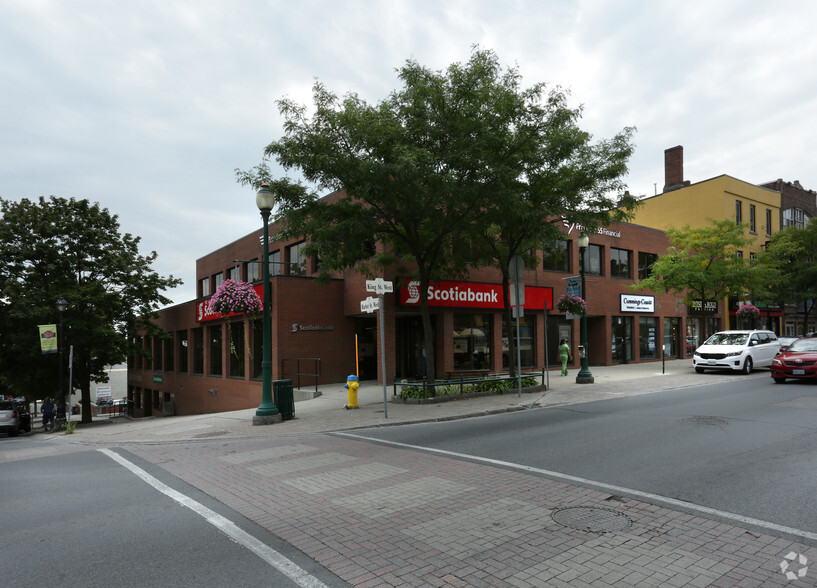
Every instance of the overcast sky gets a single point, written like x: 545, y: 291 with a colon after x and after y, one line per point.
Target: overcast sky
x: 148, y: 107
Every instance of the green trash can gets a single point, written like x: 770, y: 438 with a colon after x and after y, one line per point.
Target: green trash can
x: 284, y: 399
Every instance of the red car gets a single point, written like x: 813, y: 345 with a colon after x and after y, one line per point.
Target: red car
x: 799, y: 361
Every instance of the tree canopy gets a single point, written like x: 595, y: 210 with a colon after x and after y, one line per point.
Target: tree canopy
x: 790, y: 259
x: 456, y: 156
x: 70, y: 248
x: 702, y: 264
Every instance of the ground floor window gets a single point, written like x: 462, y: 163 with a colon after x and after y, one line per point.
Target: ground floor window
x: 622, y: 341
x: 237, y: 349
x: 472, y: 341
x: 672, y: 337
x: 214, y: 338
x: 527, y: 342
x: 257, y: 346
x: 648, y: 337
x: 198, y: 350
x: 556, y: 329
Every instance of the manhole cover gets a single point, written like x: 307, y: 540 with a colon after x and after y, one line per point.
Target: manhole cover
x: 706, y: 420
x: 595, y: 520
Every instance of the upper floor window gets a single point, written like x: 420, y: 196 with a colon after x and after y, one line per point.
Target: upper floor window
x: 556, y: 256
x: 739, y: 254
x: 795, y: 217
x: 253, y: 271
x: 738, y: 211
x: 645, y: 261
x: 752, y: 222
x: 275, y: 267
x: 593, y: 260
x: 234, y: 273
x: 297, y: 259
x: 204, y: 287
x: 620, y: 263
x: 768, y: 223
x: 218, y: 280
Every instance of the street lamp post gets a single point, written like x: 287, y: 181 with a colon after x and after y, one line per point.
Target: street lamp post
x: 584, y: 376
x: 267, y: 412
x: 62, y: 305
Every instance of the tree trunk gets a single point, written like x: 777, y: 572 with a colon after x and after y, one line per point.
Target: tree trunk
x: 428, y: 335
x: 509, y: 323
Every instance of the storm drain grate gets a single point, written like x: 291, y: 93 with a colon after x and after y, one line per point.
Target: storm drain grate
x: 210, y: 434
x: 588, y: 518
x: 706, y: 420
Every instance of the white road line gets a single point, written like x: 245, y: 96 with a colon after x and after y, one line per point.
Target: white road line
x: 269, y: 555
x: 656, y: 498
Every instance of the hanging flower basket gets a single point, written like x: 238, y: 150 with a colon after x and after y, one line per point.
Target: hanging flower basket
x: 572, y: 304
x: 234, y: 297
x: 748, y: 311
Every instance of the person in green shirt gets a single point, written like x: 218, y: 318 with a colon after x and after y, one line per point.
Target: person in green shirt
x: 564, y: 355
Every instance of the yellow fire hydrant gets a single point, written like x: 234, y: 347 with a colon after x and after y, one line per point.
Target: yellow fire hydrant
x: 352, y: 385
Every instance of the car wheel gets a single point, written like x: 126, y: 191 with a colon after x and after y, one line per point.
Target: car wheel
x: 747, y: 366
x: 700, y: 370
x: 779, y: 380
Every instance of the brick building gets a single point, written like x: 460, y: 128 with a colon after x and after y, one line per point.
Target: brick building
x: 320, y: 335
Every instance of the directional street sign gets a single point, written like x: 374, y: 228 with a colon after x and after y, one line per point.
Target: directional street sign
x: 379, y: 286
x: 370, y: 304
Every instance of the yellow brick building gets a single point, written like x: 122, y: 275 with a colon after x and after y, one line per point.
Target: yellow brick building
x: 719, y: 198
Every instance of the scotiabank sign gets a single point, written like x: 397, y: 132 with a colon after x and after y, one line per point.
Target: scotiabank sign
x: 473, y: 295
x: 203, y: 312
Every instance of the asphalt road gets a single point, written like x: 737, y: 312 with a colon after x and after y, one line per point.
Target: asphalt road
x: 83, y: 519
x: 747, y: 447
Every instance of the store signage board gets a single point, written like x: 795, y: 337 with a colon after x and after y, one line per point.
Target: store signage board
x: 472, y: 295
x: 637, y: 303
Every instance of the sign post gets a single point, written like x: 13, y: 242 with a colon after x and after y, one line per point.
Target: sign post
x: 380, y: 286
x: 515, y: 269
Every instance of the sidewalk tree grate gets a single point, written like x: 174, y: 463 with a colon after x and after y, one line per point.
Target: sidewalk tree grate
x: 592, y: 519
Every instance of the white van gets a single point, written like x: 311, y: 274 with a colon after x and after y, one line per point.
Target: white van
x: 736, y: 351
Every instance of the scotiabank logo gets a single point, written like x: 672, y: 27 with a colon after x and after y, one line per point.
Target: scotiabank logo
x: 472, y: 295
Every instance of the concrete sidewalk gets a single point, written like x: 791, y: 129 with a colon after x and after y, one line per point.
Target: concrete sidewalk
x: 385, y: 515
x: 326, y: 412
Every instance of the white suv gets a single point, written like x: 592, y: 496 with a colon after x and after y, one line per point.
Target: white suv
x: 736, y: 350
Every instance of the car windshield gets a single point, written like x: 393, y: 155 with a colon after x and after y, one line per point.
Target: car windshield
x: 727, y: 339
x: 804, y: 345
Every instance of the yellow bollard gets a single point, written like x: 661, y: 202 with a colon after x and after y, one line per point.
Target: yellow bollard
x: 352, y: 385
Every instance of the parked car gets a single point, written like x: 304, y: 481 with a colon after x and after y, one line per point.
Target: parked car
x: 736, y: 351
x: 9, y: 418
x: 785, y: 342
x: 799, y: 361
x: 21, y: 405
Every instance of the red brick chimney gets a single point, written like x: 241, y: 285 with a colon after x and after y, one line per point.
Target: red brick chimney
x: 674, y: 168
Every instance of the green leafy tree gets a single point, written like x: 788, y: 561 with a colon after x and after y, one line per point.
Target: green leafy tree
x: 546, y: 172
x: 435, y: 165
x: 790, y: 268
x: 702, y: 265
x: 72, y: 249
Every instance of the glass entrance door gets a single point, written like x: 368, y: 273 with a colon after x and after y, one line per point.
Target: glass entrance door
x: 622, y: 339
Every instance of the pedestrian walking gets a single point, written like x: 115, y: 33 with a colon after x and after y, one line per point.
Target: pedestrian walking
x: 564, y: 355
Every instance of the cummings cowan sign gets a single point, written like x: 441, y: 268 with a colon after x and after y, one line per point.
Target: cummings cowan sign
x: 637, y: 303
x: 472, y: 295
